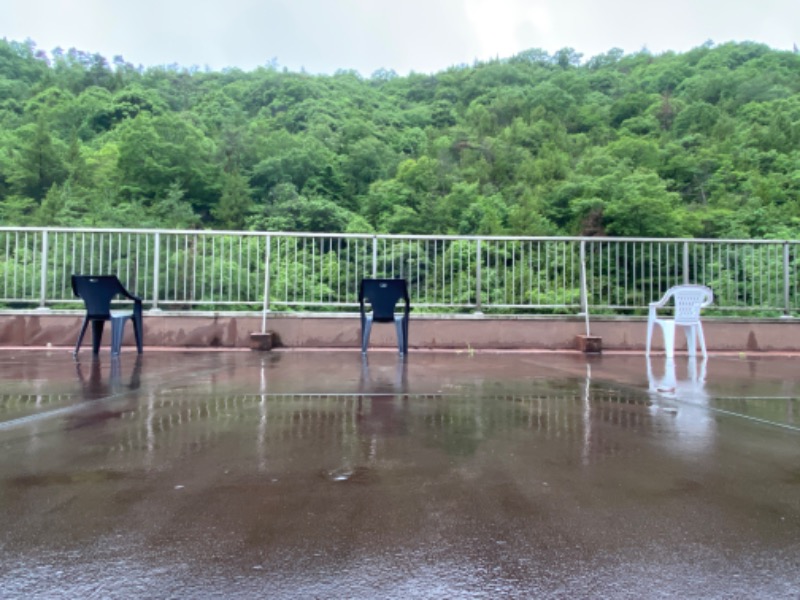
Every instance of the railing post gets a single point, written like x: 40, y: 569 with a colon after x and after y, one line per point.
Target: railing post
x: 374, y: 256
x: 584, y: 293
x: 43, y: 278
x: 265, y: 309
x: 156, y: 270
x: 786, y: 281
x: 478, y: 279
x: 686, y: 263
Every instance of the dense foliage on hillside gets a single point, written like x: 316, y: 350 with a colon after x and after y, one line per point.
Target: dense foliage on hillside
x: 704, y: 143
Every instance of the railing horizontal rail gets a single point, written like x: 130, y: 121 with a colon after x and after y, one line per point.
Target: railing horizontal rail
x: 209, y: 270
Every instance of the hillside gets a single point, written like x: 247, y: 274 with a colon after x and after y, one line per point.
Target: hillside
x: 704, y: 144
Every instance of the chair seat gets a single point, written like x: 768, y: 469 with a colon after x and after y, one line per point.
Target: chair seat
x: 121, y: 314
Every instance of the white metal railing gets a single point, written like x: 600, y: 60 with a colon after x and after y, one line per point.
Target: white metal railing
x: 224, y: 270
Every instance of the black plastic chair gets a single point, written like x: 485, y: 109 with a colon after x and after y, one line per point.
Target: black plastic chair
x: 383, y: 295
x: 97, y: 292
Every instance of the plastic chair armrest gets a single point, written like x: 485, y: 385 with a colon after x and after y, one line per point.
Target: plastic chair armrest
x: 130, y: 296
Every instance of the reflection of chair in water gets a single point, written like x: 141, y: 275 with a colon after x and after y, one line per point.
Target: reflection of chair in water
x: 383, y: 295
x: 380, y: 412
x: 688, y: 300
x: 693, y: 386
x: 110, y: 397
x: 97, y: 292
x: 371, y: 383
x: 688, y: 417
x: 95, y: 386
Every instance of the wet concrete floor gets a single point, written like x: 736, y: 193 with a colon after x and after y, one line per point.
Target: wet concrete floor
x: 447, y: 475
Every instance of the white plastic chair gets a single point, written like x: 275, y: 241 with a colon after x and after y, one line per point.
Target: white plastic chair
x: 689, y: 300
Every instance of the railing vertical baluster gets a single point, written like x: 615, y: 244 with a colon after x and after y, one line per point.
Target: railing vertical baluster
x: 478, y: 309
x: 427, y: 255
x: 43, y: 291
x: 239, y: 270
x: 786, y: 280
x: 347, y: 265
x: 265, y: 308
x: 304, y: 271
x: 58, y: 291
x: 185, y: 268
x: 26, y: 254
x: 584, y: 294
x: 686, y: 263
x: 91, y: 253
x: 338, y: 269
x: 16, y: 269
x: 214, y: 266
x: 539, y: 270
x: 418, y: 271
x: 6, y: 257
x: 374, y: 256
x: 156, y: 270
x: 111, y: 268
x: 286, y: 251
x: 137, y: 267
x: 165, y: 276
x: 452, y: 273
x: 591, y: 267
x: 625, y: 263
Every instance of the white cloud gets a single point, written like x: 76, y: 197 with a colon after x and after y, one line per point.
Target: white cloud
x: 505, y: 27
x: 418, y: 35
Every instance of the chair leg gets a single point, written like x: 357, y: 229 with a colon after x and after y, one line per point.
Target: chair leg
x: 117, y: 331
x: 668, y: 329
x: 702, y: 338
x: 80, y: 336
x: 365, y: 331
x: 398, y: 325
x: 691, y: 340
x: 138, y: 332
x: 97, y: 335
x: 650, y: 325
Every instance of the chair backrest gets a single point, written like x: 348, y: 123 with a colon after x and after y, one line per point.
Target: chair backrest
x: 97, y: 292
x: 383, y: 295
x: 689, y: 300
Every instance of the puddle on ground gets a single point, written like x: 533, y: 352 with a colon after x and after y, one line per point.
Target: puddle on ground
x: 445, y: 477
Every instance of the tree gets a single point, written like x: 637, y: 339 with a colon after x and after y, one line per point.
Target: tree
x: 235, y: 204
x: 156, y: 152
x: 642, y: 207
x: 173, y: 211
x: 38, y: 162
x: 290, y: 211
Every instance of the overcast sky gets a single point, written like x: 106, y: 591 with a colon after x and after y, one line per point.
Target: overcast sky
x: 424, y: 36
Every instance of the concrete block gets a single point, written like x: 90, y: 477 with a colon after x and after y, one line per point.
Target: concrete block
x: 590, y: 344
x: 261, y: 341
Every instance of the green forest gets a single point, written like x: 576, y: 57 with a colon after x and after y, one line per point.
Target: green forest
x: 702, y: 144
